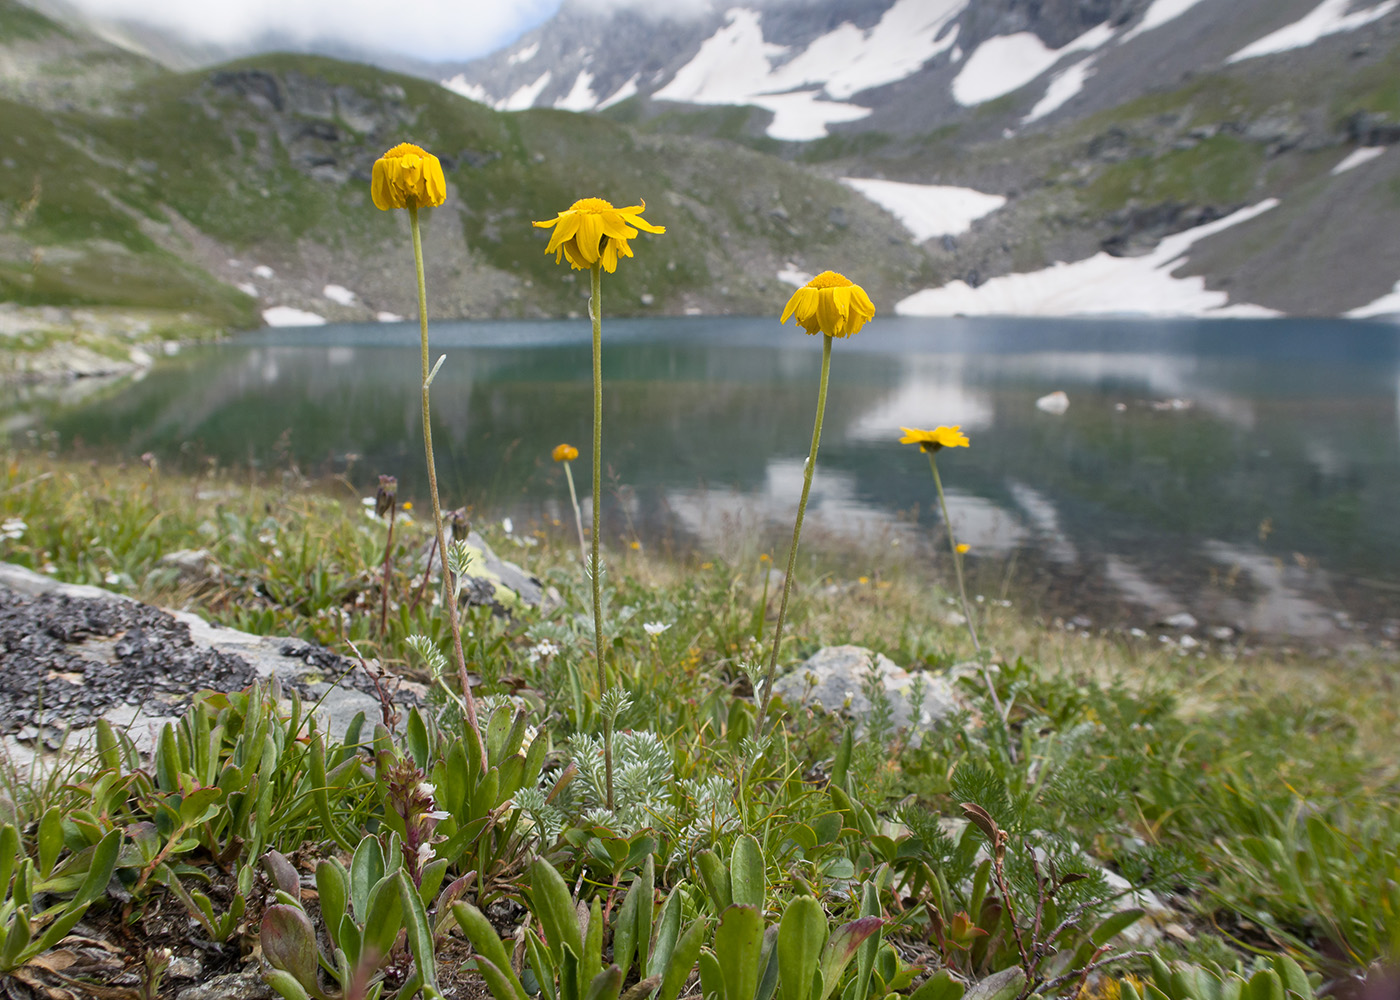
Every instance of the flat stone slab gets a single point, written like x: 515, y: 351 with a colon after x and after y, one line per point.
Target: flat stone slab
x: 71, y: 654
x: 838, y: 677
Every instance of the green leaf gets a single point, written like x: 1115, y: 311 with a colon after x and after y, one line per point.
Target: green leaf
x: 841, y: 948
x: 285, y: 984
x: 58, y: 930
x: 1295, y: 980
x: 200, y: 806
x: 682, y: 960
x: 555, y: 910
x: 9, y: 855
x: 865, y: 956
x: 420, y: 934
x: 591, y: 961
x: 489, y: 947
x: 802, y: 934
x: 747, y: 879
x: 646, y: 911
x: 167, y: 759
x: 1266, y: 985
x: 333, y: 888
x: 289, y: 943
x: 1004, y: 985
x: 366, y: 869
x: 738, y: 946
x: 668, y: 932
x: 841, y: 765
x: 711, y: 977
x: 430, y: 881
x: 715, y: 878
x: 606, y: 985
x: 541, y: 964
x: 100, y: 868
x: 941, y: 986
x: 501, y: 982
x: 625, y: 932
x: 50, y: 840
x: 384, y: 917
x: 416, y: 738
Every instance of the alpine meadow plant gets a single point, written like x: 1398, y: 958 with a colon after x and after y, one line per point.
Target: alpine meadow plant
x: 834, y: 306
x: 410, y: 177
x: 592, y: 235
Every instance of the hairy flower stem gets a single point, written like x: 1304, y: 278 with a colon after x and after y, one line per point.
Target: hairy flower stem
x: 449, y: 585
x: 807, y: 472
x: 578, y: 518
x: 388, y: 552
x: 962, y: 589
x: 595, y: 312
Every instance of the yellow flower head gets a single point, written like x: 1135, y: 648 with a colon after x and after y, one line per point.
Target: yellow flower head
x: 963, y: 547
x: 407, y: 176
x: 939, y: 437
x: 591, y: 230
x: 565, y: 453
x: 831, y: 304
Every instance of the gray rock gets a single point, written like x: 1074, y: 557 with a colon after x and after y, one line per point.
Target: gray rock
x: 235, y: 986
x: 489, y: 566
x: 836, y: 678
x: 195, y: 566
x: 1182, y: 620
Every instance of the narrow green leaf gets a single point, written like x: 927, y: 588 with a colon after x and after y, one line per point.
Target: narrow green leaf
x: 802, y: 934
x: 416, y: 738
x: 591, y: 961
x: 384, y: 917
x: 715, y: 878
x: 646, y: 911
x: 285, y: 984
x: 333, y: 888
x: 842, y: 763
x: 100, y: 868
x: 682, y: 960
x: 625, y: 931
x: 606, y: 985
x: 1004, y: 985
x: 501, y: 982
x: 9, y: 856
x: 50, y: 840
x: 489, y: 947
x: 668, y: 932
x: 420, y: 934
x: 841, y: 948
x: 555, y: 910
x: 747, y: 879
x: 711, y: 976
x: 738, y: 946
x: 366, y: 869
x: 941, y: 986
x: 865, y: 955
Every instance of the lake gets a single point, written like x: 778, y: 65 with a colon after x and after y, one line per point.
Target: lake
x: 1246, y: 472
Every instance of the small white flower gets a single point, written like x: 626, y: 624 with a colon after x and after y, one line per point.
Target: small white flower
x: 542, y: 650
x: 112, y: 579
x: 655, y: 628
x: 13, y: 527
x: 438, y: 815
x: 508, y: 525
x: 50, y: 568
x: 426, y: 789
x: 267, y: 536
x: 368, y: 501
x: 530, y: 733
x: 425, y: 854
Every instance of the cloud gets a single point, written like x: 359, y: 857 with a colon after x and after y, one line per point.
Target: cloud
x: 678, y: 10
x: 425, y: 29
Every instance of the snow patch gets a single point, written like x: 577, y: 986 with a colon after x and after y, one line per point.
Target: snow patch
x: 1357, y: 157
x: 736, y: 66
x: 581, y: 97
x: 524, y: 55
x: 248, y: 288
x: 289, y: 316
x: 1008, y: 62
x: 1386, y: 305
x: 471, y: 91
x: 1327, y: 18
x: 1099, y: 285
x: 263, y: 271
x: 1064, y: 85
x: 621, y: 94
x: 387, y: 317
x: 339, y: 294
x: 525, y: 97
x: 794, y: 275
x: 928, y: 210
x: 1157, y: 15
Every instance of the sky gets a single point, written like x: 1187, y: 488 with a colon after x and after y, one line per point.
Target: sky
x: 430, y: 30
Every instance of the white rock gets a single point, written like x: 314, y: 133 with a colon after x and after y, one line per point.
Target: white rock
x: 1056, y: 402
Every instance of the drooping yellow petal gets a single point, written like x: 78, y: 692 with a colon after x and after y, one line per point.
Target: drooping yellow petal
x: 591, y: 231
x: 407, y: 176
x: 830, y: 304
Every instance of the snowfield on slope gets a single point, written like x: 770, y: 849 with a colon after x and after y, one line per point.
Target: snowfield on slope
x: 1327, y: 18
x: 808, y: 91
x: 928, y: 210
x: 1099, y: 285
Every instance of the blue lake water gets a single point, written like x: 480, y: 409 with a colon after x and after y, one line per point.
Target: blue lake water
x: 1245, y: 471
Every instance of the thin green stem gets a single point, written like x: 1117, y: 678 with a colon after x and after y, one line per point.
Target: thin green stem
x: 957, y: 556
x: 595, y: 566
x: 962, y: 590
x: 449, y: 585
x: 807, y: 472
x: 578, y: 518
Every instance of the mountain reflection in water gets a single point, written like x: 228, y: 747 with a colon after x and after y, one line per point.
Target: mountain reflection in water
x: 1244, y: 471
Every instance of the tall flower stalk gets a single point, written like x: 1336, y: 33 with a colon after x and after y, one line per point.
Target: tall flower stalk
x: 407, y: 177
x: 592, y: 235
x: 834, y: 306
x: 566, y: 453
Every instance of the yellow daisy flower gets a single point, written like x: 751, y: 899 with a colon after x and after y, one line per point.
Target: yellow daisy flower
x: 407, y: 176
x: 832, y: 304
x: 591, y: 230
x: 565, y: 453
x: 939, y: 437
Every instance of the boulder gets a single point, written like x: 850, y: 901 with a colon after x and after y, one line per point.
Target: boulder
x: 837, y: 677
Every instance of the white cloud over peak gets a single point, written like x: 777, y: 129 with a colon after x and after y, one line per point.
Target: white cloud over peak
x: 428, y: 29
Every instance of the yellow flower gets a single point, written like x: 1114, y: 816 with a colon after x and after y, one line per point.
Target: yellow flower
x: 831, y: 304
x: 963, y: 547
x: 939, y: 437
x: 407, y: 177
x: 565, y: 453
x: 592, y: 230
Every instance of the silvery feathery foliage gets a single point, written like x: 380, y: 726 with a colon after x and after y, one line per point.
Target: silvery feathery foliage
x: 710, y: 804
x: 459, y: 558
x: 642, y: 779
x: 433, y: 659
x: 547, y: 820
